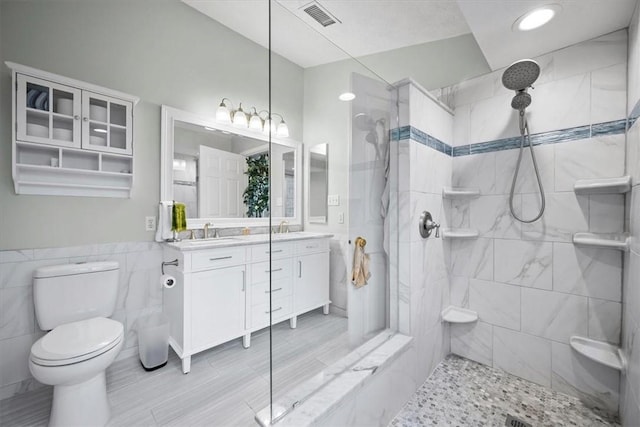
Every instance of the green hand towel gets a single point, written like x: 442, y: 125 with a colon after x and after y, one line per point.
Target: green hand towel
x: 179, y: 217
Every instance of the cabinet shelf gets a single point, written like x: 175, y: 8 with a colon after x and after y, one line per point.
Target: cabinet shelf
x: 619, y: 185
x: 459, y: 233
x: 460, y: 193
x: 605, y: 241
x: 55, y: 152
x: 71, y: 170
x: 599, y: 351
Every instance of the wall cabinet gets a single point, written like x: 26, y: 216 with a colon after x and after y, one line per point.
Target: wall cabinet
x: 226, y: 293
x: 70, y: 137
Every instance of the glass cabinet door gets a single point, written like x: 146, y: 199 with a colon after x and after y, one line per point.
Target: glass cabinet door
x: 106, y: 124
x: 47, y: 113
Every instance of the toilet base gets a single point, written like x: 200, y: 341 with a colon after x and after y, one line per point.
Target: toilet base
x: 83, y: 404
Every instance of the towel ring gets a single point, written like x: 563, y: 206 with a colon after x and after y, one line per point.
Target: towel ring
x: 361, y: 242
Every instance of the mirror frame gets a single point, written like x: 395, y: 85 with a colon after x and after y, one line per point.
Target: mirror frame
x: 307, y: 174
x: 169, y: 116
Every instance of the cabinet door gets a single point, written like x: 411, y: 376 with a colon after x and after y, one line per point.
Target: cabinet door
x: 47, y: 112
x: 217, y: 306
x: 311, y: 287
x: 106, y: 123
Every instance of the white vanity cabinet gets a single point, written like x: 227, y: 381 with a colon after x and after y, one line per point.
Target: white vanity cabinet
x: 224, y: 292
x: 70, y: 138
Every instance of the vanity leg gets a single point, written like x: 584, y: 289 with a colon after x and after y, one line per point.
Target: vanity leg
x: 293, y: 322
x: 325, y: 309
x: 186, y: 365
x: 246, y: 340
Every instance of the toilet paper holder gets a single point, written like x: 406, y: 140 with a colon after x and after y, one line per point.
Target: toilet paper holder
x: 165, y: 263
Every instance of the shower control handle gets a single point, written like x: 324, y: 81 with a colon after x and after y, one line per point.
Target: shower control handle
x: 427, y: 224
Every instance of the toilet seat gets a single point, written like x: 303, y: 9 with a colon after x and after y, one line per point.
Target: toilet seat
x: 77, y: 341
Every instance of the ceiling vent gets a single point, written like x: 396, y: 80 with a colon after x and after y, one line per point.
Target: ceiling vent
x: 320, y: 14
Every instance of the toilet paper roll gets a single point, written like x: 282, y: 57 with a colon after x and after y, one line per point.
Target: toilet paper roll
x: 168, y: 281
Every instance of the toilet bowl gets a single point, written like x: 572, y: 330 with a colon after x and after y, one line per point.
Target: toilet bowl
x: 73, y: 302
x: 73, y: 358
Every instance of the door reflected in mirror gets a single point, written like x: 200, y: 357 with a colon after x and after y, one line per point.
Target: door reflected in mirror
x: 318, y: 183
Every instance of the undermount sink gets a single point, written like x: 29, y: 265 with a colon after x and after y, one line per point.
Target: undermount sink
x: 205, y: 242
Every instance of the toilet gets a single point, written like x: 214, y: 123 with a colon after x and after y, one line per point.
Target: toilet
x: 73, y: 302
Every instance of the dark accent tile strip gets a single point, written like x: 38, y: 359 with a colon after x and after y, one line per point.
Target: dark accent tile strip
x: 552, y: 137
x: 609, y: 128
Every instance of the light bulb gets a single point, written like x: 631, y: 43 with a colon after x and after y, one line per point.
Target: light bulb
x: 240, y: 118
x: 255, y: 123
x: 222, y: 114
x: 283, y: 130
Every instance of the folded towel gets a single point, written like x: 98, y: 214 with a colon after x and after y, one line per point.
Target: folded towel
x: 360, y: 273
x: 163, y: 232
x: 179, y: 217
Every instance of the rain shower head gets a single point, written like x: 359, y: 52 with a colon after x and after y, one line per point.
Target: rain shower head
x: 521, y: 74
x: 521, y: 100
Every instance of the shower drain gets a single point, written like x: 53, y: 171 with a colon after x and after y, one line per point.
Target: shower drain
x: 515, y: 422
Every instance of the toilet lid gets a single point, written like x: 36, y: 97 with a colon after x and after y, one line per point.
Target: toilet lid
x: 77, y: 341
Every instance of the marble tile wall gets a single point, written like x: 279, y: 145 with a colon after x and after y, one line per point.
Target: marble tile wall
x: 630, y: 385
x: 533, y: 289
x: 139, y: 293
x: 423, y: 263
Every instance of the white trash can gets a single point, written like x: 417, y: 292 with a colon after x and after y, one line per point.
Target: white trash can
x: 153, y: 341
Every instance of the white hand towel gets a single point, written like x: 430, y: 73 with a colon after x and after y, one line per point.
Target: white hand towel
x: 163, y: 231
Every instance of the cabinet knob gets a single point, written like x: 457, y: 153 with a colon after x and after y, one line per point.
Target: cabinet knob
x: 85, y: 119
x: 76, y: 117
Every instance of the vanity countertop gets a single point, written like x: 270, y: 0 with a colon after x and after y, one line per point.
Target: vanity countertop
x: 250, y: 239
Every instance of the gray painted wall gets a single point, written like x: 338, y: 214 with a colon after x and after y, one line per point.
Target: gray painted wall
x: 160, y: 50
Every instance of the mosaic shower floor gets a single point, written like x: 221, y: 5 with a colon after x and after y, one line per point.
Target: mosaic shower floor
x: 465, y: 393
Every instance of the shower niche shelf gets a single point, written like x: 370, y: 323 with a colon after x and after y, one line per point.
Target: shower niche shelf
x: 599, y: 351
x: 453, y: 314
x: 618, y: 185
x: 460, y: 233
x: 460, y: 193
x: 605, y: 241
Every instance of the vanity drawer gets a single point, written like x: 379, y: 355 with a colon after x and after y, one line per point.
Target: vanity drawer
x: 312, y: 246
x: 278, y: 250
x: 217, y: 258
x: 279, y: 289
x: 282, y: 309
x: 280, y: 268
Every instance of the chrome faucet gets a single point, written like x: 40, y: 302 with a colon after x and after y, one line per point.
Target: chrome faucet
x: 284, y: 225
x: 206, y: 230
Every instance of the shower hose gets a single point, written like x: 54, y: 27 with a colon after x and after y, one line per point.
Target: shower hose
x: 524, y: 133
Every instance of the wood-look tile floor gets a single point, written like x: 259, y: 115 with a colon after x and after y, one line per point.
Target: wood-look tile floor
x: 227, y: 385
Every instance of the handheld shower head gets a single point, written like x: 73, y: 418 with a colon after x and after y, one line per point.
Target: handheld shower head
x: 521, y: 100
x: 521, y: 74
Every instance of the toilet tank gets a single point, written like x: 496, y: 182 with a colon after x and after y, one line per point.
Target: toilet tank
x: 71, y: 292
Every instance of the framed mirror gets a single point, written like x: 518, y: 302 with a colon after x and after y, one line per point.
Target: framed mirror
x: 221, y: 172
x: 318, y: 179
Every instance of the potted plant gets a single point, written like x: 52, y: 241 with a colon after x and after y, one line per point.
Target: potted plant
x: 256, y: 195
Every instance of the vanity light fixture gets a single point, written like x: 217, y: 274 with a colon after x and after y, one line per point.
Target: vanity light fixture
x: 536, y: 18
x: 254, y: 121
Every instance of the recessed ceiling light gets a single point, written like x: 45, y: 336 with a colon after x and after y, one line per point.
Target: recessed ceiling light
x: 536, y: 18
x: 347, y: 96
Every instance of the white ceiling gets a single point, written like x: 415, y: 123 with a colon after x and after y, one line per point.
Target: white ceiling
x: 372, y: 26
